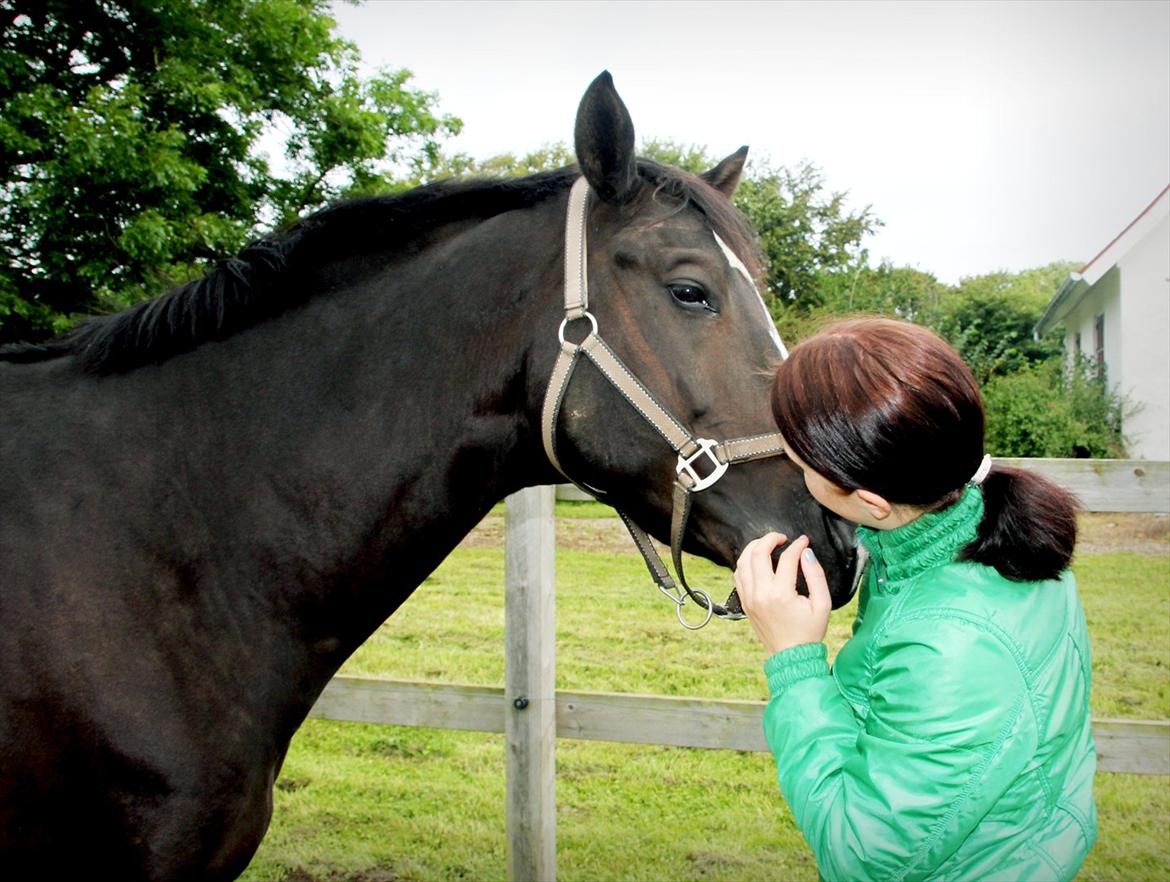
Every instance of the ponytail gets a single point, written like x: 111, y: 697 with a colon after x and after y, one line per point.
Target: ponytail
x: 1029, y: 526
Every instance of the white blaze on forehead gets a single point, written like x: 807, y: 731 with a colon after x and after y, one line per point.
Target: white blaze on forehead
x: 737, y: 264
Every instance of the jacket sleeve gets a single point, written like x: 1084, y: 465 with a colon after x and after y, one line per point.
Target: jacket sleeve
x: 892, y: 793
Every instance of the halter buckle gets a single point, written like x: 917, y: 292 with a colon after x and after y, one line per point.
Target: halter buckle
x: 686, y: 464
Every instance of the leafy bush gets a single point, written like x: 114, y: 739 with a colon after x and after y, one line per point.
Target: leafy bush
x: 1044, y: 411
x: 989, y: 319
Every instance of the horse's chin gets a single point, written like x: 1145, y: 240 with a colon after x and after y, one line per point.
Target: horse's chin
x: 736, y: 608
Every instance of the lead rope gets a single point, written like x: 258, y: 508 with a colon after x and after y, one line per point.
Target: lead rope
x: 716, y: 455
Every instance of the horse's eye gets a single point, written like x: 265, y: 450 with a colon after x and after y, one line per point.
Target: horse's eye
x: 690, y: 295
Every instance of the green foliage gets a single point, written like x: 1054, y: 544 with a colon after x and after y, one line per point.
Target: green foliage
x: 689, y: 157
x: 989, y: 320
x: 883, y: 290
x: 899, y: 292
x: 553, y: 156
x: 804, y: 230
x: 132, y: 141
x: 504, y: 165
x: 1042, y: 411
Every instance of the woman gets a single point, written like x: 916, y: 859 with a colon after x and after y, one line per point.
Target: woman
x: 951, y: 739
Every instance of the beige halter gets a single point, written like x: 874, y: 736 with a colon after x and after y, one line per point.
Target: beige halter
x: 701, y: 461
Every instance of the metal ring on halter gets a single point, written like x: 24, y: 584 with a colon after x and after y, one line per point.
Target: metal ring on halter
x: 678, y: 610
x: 586, y: 314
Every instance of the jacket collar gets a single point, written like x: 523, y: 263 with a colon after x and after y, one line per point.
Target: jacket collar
x: 928, y: 541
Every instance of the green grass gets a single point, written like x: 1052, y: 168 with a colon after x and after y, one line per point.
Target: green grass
x: 1127, y: 605
x: 570, y: 509
x: 361, y: 802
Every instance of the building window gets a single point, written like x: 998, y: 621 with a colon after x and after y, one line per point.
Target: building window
x: 1077, y: 347
x: 1099, y: 345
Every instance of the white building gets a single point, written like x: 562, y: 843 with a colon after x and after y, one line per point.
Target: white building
x: 1116, y: 311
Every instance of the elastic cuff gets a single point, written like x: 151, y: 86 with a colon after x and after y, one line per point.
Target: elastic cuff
x: 794, y: 664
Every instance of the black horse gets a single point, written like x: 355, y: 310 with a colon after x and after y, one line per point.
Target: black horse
x: 209, y: 501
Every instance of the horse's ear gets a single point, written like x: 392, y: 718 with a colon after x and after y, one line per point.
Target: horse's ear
x: 604, y: 138
x: 725, y: 176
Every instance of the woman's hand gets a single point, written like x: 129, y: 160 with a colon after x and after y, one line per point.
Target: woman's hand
x: 780, y: 617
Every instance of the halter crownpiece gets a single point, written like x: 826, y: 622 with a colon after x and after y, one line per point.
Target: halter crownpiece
x: 701, y: 461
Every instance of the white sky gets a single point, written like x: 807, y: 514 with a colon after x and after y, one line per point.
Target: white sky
x: 985, y: 135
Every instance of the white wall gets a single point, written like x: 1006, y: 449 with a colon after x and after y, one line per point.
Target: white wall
x: 1102, y: 298
x: 1144, y: 360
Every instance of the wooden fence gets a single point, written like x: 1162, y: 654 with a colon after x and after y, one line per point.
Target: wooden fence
x: 532, y: 714
x: 1120, y: 485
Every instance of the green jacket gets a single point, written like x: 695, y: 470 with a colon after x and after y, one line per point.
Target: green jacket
x: 952, y: 738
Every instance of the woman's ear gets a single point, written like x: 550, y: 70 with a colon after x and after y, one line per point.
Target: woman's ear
x: 877, y: 506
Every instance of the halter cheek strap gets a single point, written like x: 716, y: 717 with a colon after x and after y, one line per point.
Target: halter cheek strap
x: 701, y: 461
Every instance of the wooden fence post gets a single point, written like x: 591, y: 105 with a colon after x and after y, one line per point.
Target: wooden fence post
x: 530, y: 727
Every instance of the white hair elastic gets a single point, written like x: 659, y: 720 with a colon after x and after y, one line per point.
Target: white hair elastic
x: 984, y: 468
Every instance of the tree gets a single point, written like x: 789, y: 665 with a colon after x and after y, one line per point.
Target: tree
x: 900, y: 292
x: 132, y: 133
x: 804, y: 230
x: 989, y: 319
x: 504, y: 165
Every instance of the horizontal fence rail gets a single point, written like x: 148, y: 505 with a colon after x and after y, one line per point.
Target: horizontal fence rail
x: 1121, y: 485
x: 1133, y: 485
x: 1135, y: 746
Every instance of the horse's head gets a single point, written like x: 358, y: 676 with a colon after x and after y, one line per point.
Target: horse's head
x: 670, y: 290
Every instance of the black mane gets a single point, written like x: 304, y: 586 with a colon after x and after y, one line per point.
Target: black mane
x: 246, y: 290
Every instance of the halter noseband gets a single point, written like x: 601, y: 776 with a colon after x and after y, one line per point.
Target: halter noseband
x: 701, y: 461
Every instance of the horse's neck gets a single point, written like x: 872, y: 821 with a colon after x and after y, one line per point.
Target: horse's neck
x: 331, y: 458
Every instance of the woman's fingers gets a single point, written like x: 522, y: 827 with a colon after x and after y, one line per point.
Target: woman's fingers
x: 781, y: 617
x: 746, y: 564
x: 818, y: 586
x: 753, y: 570
x: 760, y: 557
x: 789, y: 561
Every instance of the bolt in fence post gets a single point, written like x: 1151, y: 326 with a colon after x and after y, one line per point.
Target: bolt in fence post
x: 530, y: 684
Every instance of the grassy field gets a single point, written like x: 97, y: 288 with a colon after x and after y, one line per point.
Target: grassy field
x: 379, y: 803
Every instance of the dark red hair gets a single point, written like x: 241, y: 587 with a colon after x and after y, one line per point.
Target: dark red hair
x: 890, y: 407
